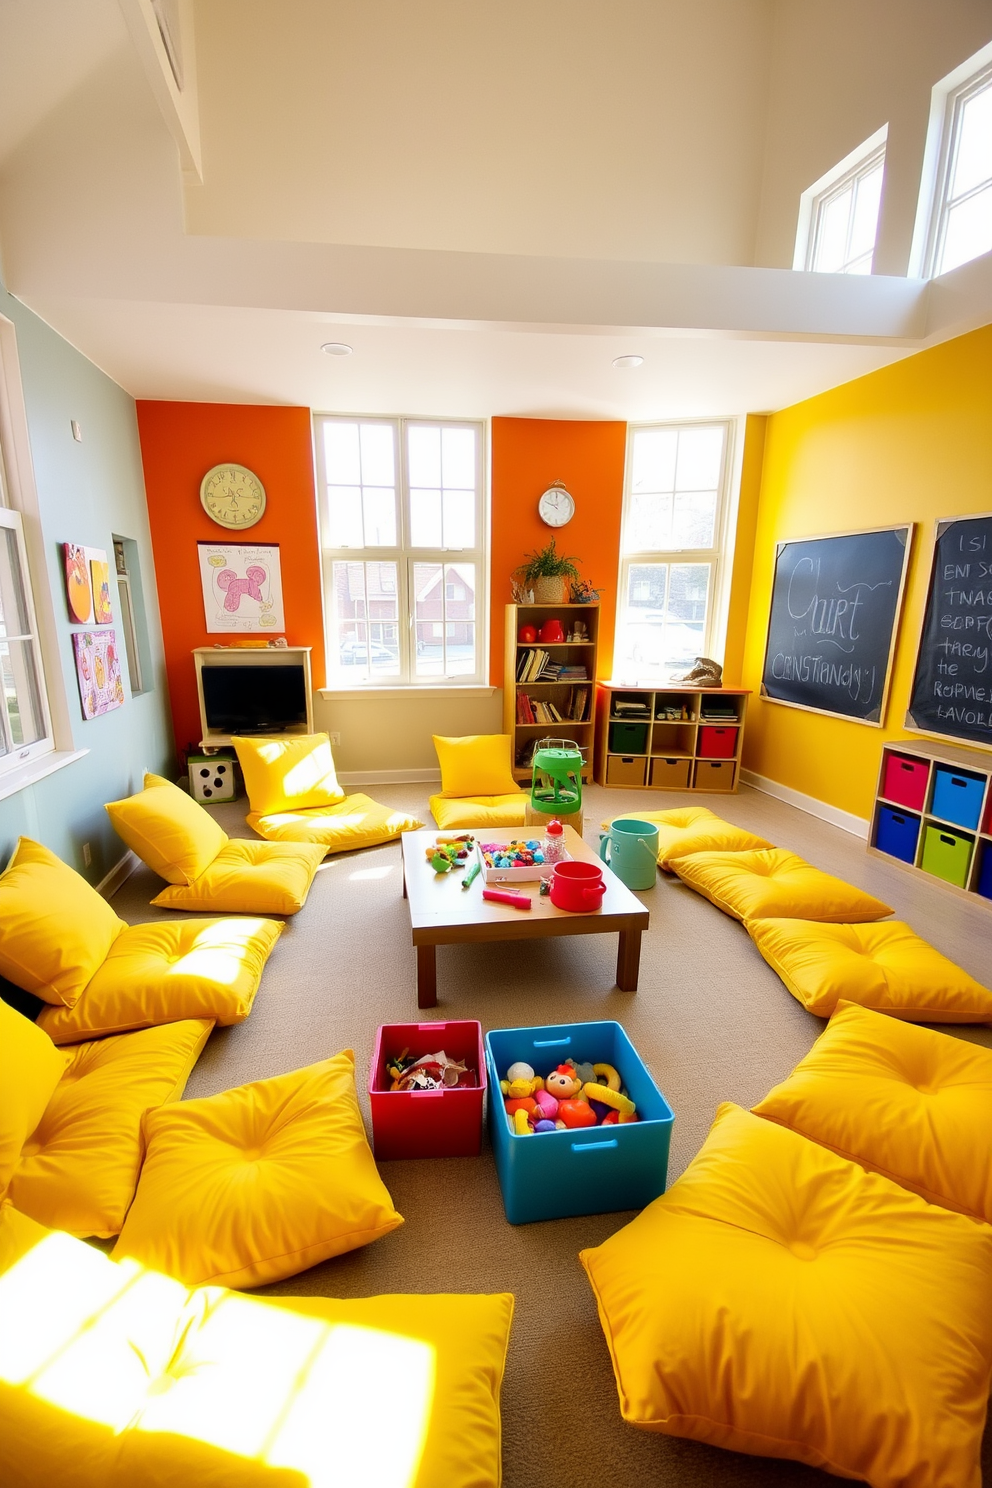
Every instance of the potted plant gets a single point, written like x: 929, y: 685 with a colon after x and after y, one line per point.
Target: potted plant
x: 547, y: 572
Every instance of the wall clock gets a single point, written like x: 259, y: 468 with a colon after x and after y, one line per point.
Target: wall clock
x: 233, y: 496
x: 556, y: 506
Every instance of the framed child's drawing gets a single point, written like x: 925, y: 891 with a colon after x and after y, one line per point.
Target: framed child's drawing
x: 242, y: 587
x: 98, y: 671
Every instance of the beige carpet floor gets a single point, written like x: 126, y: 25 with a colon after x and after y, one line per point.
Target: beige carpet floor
x: 710, y: 1019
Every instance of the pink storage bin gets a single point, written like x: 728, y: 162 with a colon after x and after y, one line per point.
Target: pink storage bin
x: 906, y: 780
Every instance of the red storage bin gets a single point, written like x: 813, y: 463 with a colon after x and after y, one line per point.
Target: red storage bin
x: 427, y: 1123
x: 906, y: 780
x: 717, y: 743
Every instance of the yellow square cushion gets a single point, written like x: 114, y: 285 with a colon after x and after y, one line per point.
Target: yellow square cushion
x: 55, y: 929
x: 168, y: 830
x: 167, y: 970
x: 248, y: 877
x: 779, y: 1300
x: 114, y: 1377
x: 355, y: 822
x: 774, y: 883
x: 883, y: 966
x: 79, y: 1170
x: 485, y: 811
x: 901, y: 1100
x: 476, y: 765
x: 30, y: 1069
x: 288, y: 773
x: 260, y: 1182
x: 691, y: 829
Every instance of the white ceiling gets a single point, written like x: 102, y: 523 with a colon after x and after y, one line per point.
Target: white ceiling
x: 488, y: 216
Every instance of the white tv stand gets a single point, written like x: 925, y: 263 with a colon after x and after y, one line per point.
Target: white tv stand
x: 205, y: 656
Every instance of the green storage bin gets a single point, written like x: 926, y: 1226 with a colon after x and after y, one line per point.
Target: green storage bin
x: 628, y: 738
x: 947, y: 855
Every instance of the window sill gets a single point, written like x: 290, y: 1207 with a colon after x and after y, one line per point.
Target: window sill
x: 34, y: 770
x: 388, y: 694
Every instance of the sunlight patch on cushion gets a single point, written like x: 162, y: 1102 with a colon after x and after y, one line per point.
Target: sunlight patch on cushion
x: 290, y: 773
x: 355, y: 822
x: 483, y: 811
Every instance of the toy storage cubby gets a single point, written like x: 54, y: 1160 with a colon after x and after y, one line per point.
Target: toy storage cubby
x: 933, y: 814
x: 562, y: 653
x: 670, y: 738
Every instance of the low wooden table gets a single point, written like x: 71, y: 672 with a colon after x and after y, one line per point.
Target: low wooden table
x: 443, y: 913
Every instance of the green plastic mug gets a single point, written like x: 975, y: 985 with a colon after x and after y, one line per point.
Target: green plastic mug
x: 631, y: 850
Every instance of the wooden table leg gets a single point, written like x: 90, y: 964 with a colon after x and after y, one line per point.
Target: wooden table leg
x: 628, y: 960
x: 427, y: 976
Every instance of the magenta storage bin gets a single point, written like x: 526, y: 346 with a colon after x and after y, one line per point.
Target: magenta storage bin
x: 427, y: 1123
x: 906, y: 780
x: 716, y: 743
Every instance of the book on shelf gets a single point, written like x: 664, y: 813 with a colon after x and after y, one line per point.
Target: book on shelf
x: 525, y: 709
x: 575, y: 707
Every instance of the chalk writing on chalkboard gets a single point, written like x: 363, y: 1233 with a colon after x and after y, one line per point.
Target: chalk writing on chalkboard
x: 952, y: 689
x: 835, y: 604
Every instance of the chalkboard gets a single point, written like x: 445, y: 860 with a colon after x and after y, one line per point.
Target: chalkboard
x: 952, y: 689
x: 835, y: 604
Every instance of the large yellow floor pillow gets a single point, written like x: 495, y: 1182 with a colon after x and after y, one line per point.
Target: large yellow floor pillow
x: 291, y: 772
x: 260, y: 1182
x: 168, y: 830
x: 901, y: 1100
x: 30, y: 1070
x: 355, y: 822
x: 168, y: 970
x: 884, y: 966
x: 781, y: 1301
x: 462, y: 812
x: 55, y: 929
x: 79, y: 1169
x: 113, y: 1377
x: 249, y: 877
x: 475, y: 765
x: 774, y: 883
x: 691, y: 829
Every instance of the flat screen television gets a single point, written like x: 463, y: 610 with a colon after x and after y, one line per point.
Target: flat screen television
x: 254, y: 699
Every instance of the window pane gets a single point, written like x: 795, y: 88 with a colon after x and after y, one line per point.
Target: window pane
x: 458, y: 457
x: 379, y: 506
x: 341, y: 456
x: 22, y: 700
x: 459, y: 519
x: 695, y: 520
x: 700, y: 453
x: 968, y: 232
x: 650, y: 523
x: 428, y: 595
x: 426, y: 530
x: 831, y: 243
x: 364, y: 618
x: 344, y: 516
x: 653, y: 460
x: 974, y: 158
x: 13, y: 605
x: 666, y: 615
x: 378, y: 459
x: 424, y: 454
x: 868, y: 193
x: 444, y: 616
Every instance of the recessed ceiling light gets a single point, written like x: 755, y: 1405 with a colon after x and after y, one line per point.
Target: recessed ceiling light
x: 627, y: 361
x: 337, y: 348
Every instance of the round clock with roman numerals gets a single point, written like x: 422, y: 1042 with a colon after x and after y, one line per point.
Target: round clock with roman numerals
x: 233, y: 496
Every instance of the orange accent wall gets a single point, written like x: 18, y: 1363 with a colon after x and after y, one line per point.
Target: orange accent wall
x: 179, y: 444
x: 527, y: 455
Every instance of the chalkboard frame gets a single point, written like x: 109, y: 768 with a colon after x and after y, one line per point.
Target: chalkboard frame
x: 908, y: 530
x: 940, y: 526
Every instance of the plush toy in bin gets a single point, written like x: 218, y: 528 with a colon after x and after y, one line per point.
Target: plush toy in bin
x: 571, y: 1096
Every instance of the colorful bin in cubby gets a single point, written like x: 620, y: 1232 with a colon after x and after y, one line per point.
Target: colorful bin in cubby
x: 628, y: 738
x: 595, y: 1170
x: 427, y: 1123
x: 897, y: 833
x: 957, y: 796
x: 716, y: 742
x: 984, y: 884
x: 905, y: 780
x: 947, y: 855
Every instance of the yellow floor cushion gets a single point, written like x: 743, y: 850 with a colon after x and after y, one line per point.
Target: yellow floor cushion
x: 113, y: 1377
x: 475, y: 765
x: 30, y: 1069
x: 260, y: 1182
x: 781, y: 1301
x: 249, y: 877
x: 168, y: 970
x: 168, y: 830
x: 79, y: 1169
x: 355, y: 822
x: 292, y: 772
x: 881, y: 966
x: 691, y: 829
x: 54, y: 928
x: 453, y: 814
x: 904, y: 1101
x: 774, y: 883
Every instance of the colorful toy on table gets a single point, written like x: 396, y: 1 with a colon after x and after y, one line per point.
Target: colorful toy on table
x: 512, y: 854
x: 512, y: 897
x: 450, y: 852
x: 429, y: 1072
x: 571, y: 1097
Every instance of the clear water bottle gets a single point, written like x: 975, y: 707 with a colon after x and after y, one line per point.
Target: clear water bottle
x: 553, y: 845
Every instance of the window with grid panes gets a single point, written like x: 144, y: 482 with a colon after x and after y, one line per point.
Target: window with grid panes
x: 25, y: 727
x: 402, y: 523
x: 845, y: 220
x: 961, y: 228
x: 674, y: 500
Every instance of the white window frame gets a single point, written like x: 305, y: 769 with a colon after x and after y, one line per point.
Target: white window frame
x: 720, y: 556
x: 946, y: 103
x: 406, y: 556
x: 860, y: 162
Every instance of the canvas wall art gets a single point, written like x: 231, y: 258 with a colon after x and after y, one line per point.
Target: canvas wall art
x: 98, y: 671
x: 242, y: 587
x: 77, y: 583
x: 103, y: 613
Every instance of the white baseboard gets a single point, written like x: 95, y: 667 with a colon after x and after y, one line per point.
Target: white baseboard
x: 846, y: 820
x: 111, y: 882
x: 351, y: 778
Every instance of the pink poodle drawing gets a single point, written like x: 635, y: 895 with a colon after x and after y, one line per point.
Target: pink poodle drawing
x: 242, y: 587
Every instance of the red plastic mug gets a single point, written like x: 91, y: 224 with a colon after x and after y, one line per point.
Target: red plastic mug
x: 577, y: 886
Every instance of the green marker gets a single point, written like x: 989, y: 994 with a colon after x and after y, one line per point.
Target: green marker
x: 471, y: 875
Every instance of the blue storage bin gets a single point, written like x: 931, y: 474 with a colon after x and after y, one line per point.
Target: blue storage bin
x: 985, y: 872
x: 597, y: 1170
x: 897, y: 833
x: 957, y: 796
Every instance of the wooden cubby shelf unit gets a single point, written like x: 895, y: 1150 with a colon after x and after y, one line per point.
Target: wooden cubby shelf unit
x: 933, y: 815
x: 670, y: 738
x: 561, y: 653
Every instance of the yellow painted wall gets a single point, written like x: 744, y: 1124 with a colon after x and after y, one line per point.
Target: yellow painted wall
x: 910, y: 443
x: 755, y: 428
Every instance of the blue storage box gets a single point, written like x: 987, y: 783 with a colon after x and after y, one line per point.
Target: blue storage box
x: 985, y: 872
x: 957, y: 796
x: 596, y: 1170
x: 897, y: 833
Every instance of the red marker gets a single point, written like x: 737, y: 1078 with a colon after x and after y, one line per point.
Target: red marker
x: 508, y: 896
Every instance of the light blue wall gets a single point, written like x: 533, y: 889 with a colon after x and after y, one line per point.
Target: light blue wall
x: 86, y: 492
